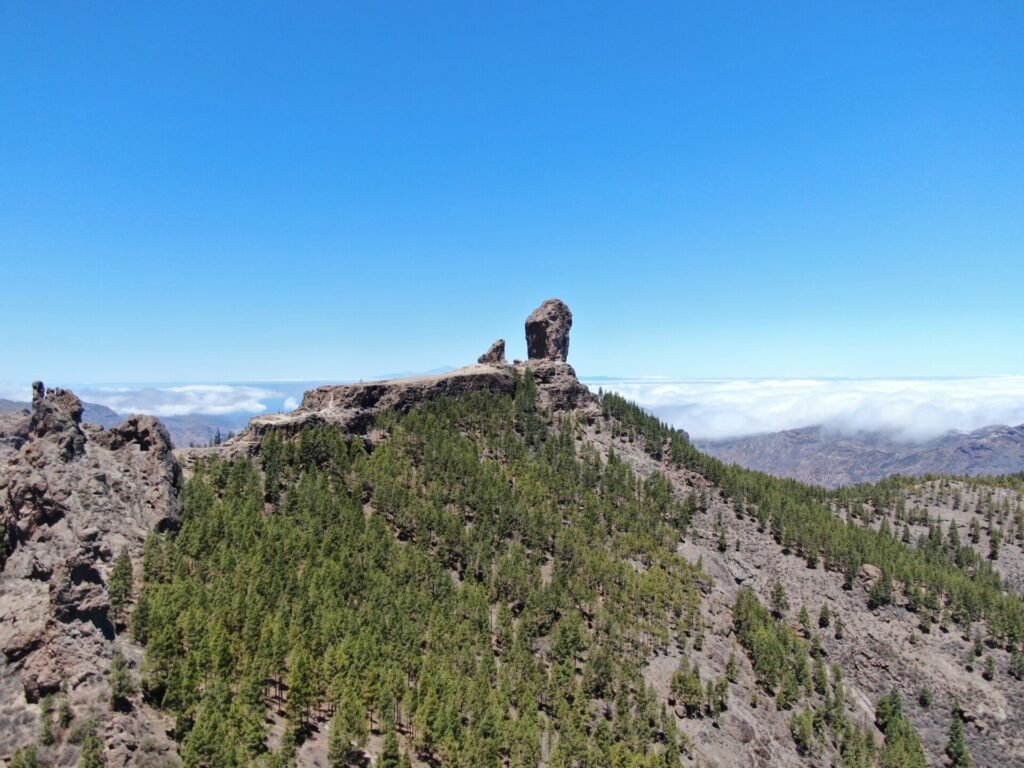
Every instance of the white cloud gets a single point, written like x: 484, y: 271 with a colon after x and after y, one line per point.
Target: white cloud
x: 908, y: 409
x: 9, y: 390
x: 290, y: 403
x: 185, y: 400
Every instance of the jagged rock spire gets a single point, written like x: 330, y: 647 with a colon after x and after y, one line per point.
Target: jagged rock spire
x: 494, y: 355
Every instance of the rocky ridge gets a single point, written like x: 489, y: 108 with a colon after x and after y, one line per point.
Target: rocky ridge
x: 72, y: 496
x: 353, y: 406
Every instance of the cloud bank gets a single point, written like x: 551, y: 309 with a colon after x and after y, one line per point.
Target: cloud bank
x: 184, y: 400
x: 906, y: 409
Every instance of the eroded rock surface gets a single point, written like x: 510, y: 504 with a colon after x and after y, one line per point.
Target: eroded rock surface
x: 72, y: 497
x: 547, y: 331
x: 495, y: 354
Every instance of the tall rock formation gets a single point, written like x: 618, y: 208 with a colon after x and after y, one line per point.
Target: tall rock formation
x: 72, y: 497
x: 495, y: 355
x: 547, y: 331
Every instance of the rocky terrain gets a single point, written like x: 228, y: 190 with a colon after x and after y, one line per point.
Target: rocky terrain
x: 184, y: 431
x: 827, y: 457
x: 74, y: 496
x: 354, y: 406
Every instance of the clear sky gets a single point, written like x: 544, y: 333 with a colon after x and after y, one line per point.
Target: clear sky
x: 194, y: 192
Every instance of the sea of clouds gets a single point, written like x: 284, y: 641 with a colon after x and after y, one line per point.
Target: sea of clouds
x: 184, y: 399
x: 906, y: 409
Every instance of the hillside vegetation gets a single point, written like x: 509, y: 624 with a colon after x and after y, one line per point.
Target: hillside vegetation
x: 486, y: 587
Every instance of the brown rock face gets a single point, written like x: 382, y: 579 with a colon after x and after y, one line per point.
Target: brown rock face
x: 495, y: 355
x: 547, y: 331
x: 57, y: 414
x: 72, y: 497
x: 354, y: 406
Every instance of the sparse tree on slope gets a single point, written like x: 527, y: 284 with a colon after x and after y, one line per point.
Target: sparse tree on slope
x: 120, y: 587
x: 956, y: 748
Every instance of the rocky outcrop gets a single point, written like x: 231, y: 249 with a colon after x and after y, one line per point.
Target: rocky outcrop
x: 57, y: 414
x: 547, y: 331
x: 354, y: 406
x: 495, y: 355
x: 557, y: 386
x: 72, y: 497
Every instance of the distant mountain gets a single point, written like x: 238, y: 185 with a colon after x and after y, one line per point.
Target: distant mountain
x: 185, y: 431
x: 827, y: 457
x: 92, y: 413
x: 199, y: 429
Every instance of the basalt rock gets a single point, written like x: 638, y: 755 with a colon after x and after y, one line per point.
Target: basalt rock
x: 72, y: 497
x: 547, y: 331
x: 495, y: 355
x: 557, y: 385
x: 57, y: 414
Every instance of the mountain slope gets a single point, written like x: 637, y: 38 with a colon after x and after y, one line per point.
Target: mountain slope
x: 496, y: 567
x: 830, y: 458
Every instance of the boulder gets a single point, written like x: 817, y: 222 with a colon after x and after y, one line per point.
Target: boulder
x: 547, y: 331
x: 869, y: 575
x: 495, y: 355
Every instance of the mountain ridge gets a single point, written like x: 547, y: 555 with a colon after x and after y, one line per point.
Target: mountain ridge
x: 496, y: 566
x: 830, y: 457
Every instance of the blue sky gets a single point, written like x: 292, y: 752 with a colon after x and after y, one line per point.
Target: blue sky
x: 271, y: 191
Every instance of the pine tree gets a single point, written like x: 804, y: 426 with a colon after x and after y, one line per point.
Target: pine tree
x: 120, y: 680
x: 390, y: 755
x: 300, y: 688
x: 956, y: 747
x: 990, y: 668
x: 732, y: 669
x: 46, y: 707
x: 92, y: 752
x: 779, y: 602
x: 65, y: 714
x: 25, y: 757
x: 805, y: 621
x: 120, y: 586
x: 348, y: 730
x: 1017, y: 664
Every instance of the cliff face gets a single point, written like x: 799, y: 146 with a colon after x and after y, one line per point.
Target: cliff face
x: 72, y: 497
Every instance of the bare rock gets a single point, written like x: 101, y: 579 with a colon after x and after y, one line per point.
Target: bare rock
x: 352, y: 407
x: 495, y: 355
x: 57, y: 414
x: 71, y: 499
x: 869, y: 575
x: 558, y: 387
x: 547, y: 331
